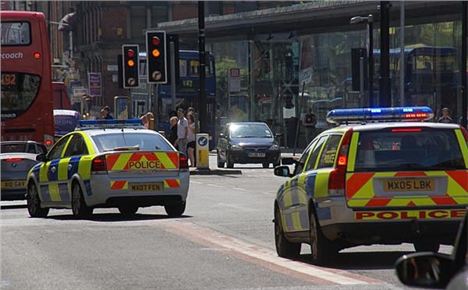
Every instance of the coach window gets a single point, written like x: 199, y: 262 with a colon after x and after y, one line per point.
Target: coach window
x: 76, y: 147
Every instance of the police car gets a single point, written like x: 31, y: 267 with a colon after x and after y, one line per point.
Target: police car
x: 373, y: 180
x: 109, y: 163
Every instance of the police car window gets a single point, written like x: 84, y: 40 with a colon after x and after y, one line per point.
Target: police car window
x: 409, y: 149
x: 327, y: 158
x: 142, y: 141
x: 56, y: 151
x: 300, y: 164
x: 76, y: 147
x: 315, y: 152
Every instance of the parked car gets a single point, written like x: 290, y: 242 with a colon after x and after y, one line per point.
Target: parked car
x: 16, y: 158
x: 434, y: 270
x: 247, y: 142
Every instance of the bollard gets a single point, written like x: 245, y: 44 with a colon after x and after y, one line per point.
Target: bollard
x: 202, y: 147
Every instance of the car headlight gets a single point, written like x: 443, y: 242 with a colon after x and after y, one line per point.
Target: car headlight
x: 274, y: 147
x: 236, y: 147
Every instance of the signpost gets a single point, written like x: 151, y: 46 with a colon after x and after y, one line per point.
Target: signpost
x: 94, y: 84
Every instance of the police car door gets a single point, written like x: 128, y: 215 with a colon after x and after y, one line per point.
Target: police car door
x: 68, y: 165
x: 48, y: 174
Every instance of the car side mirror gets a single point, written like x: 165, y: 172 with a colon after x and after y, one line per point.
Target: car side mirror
x: 41, y: 157
x: 282, y: 171
x: 428, y: 270
x: 288, y: 161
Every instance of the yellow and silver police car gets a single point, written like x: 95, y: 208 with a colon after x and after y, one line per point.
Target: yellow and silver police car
x: 109, y: 163
x: 373, y: 180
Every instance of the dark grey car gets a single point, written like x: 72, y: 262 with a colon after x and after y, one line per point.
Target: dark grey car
x: 247, y: 142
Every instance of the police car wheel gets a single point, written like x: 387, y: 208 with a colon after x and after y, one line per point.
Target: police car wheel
x: 266, y: 165
x: 34, y: 203
x: 284, y: 248
x: 79, y: 207
x: 321, y: 248
x: 426, y: 246
x: 175, y: 210
x: 128, y: 210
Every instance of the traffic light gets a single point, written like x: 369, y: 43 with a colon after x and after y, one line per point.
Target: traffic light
x: 156, y: 57
x: 130, y: 66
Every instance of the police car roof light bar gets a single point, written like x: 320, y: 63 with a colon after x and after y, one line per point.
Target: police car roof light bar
x: 110, y: 123
x: 340, y: 116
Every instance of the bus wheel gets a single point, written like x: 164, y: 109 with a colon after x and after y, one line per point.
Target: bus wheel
x: 34, y: 203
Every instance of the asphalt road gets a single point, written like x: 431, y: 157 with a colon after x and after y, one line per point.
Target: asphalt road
x: 224, y: 241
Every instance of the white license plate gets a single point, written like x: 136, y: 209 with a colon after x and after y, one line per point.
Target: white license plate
x: 257, y: 154
x: 157, y: 186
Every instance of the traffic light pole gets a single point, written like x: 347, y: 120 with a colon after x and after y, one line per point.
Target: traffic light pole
x: 201, y: 47
x: 173, y: 74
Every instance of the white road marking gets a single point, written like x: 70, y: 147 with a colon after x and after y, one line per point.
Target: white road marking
x: 199, y: 233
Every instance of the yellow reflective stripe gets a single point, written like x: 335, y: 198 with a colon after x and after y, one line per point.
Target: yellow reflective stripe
x: 454, y: 189
x: 417, y: 200
x: 287, y: 199
x: 121, y: 161
x: 463, y: 146
x: 54, y: 192
x: 165, y: 160
x: 358, y: 202
x: 321, y: 183
x: 89, y: 144
x: 296, y: 219
x: 63, y: 169
x: 43, y: 172
x: 84, y: 167
x: 352, y: 152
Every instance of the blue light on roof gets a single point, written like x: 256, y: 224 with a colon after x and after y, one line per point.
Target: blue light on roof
x: 339, y: 116
x: 110, y: 123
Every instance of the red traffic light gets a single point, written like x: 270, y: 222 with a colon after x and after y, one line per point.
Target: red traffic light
x: 130, y: 53
x: 155, y: 40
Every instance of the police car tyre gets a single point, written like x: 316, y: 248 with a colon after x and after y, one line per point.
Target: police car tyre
x: 266, y: 165
x: 229, y: 163
x: 321, y: 248
x: 79, y: 207
x: 34, y: 203
x: 426, y: 246
x: 284, y: 248
x: 128, y: 210
x: 175, y: 210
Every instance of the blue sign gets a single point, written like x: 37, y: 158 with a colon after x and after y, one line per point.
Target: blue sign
x: 202, y: 141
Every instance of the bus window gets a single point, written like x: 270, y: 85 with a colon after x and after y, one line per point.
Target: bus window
x: 18, y: 92
x: 16, y: 33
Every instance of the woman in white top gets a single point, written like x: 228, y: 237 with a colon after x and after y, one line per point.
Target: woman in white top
x: 191, y: 139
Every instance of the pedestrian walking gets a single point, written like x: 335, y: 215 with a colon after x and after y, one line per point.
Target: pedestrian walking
x: 173, y: 130
x: 105, y: 113
x: 191, y: 138
x: 445, y: 118
x: 182, y: 131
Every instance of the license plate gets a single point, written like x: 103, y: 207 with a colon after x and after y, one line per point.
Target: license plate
x: 256, y: 154
x: 409, y: 184
x: 13, y: 184
x: 157, y: 186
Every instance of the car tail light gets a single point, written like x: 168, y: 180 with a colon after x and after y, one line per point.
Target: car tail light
x: 99, y: 164
x: 13, y: 160
x: 183, y: 161
x: 337, y: 177
x: 48, y: 141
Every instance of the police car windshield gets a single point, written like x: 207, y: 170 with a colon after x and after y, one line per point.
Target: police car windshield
x: 250, y: 131
x: 142, y: 141
x: 408, y: 149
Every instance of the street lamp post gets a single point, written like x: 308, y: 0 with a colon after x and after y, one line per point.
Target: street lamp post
x: 370, y: 50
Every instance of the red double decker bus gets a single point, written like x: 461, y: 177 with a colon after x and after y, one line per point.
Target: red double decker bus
x: 27, y: 98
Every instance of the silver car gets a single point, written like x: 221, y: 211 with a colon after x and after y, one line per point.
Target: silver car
x: 109, y: 166
x: 16, y: 159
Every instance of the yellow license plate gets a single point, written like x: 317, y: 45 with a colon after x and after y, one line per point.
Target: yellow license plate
x: 13, y: 184
x: 157, y: 186
x: 409, y: 184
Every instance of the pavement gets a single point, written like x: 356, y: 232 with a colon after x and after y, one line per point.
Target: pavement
x: 214, y: 170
